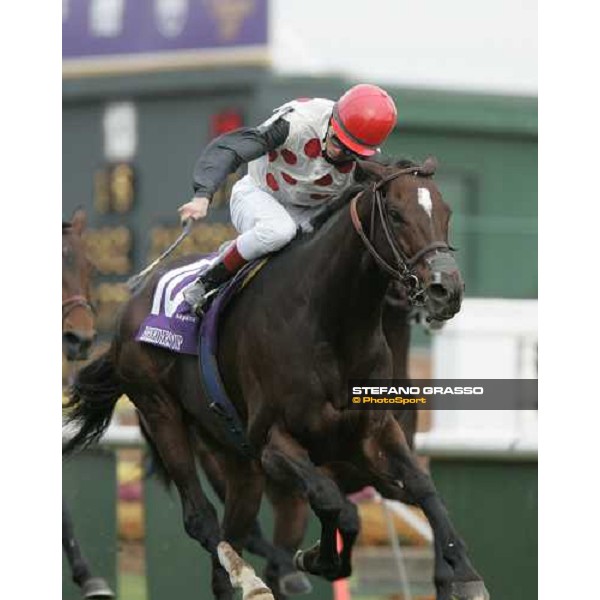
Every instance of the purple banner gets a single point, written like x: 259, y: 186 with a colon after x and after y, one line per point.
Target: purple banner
x: 110, y: 29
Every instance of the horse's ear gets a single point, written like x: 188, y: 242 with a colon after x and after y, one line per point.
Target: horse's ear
x: 79, y: 221
x: 372, y: 170
x: 429, y: 166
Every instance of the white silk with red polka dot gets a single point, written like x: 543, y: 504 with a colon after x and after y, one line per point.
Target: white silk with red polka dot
x: 296, y: 173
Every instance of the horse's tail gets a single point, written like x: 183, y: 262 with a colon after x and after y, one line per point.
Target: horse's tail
x: 92, y: 400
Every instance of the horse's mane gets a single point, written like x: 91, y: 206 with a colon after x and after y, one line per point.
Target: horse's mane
x: 362, y: 183
x: 401, y: 163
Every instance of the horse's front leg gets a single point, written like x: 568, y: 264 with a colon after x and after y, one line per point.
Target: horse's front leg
x: 349, y: 521
x: 288, y: 463
x: 389, y: 455
x: 349, y: 526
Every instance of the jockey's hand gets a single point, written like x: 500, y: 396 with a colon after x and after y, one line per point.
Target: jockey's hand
x: 195, y: 209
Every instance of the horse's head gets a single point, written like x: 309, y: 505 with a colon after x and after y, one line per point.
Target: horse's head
x: 78, y: 323
x: 409, y: 231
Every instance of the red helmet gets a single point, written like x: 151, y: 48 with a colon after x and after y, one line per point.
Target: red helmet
x: 363, y: 118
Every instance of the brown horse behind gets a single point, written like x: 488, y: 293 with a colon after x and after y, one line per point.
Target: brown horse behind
x: 78, y: 330
x: 78, y: 324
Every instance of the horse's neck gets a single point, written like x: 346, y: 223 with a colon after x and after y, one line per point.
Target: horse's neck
x: 348, y: 288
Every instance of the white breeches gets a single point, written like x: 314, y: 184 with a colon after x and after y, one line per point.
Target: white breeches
x: 264, y: 224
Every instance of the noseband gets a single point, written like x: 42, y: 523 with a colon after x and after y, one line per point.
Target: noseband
x: 404, y: 269
x: 73, y: 302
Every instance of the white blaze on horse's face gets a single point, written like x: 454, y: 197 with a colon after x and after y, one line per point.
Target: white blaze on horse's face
x: 425, y: 200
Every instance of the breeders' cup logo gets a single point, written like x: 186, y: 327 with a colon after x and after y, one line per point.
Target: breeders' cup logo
x: 171, y: 16
x: 230, y: 15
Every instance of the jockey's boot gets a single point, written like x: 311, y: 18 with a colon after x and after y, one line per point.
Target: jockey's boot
x: 198, y: 294
x: 204, y: 289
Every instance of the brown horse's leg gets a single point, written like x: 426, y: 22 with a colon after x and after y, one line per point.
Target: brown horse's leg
x: 349, y: 526
x: 349, y: 520
x: 290, y: 510
x: 163, y: 420
x: 287, y: 463
x: 256, y: 542
x: 244, y: 488
x: 455, y: 576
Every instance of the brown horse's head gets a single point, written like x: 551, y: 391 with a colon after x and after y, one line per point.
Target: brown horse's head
x: 412, y: 235
x: 78, y: 326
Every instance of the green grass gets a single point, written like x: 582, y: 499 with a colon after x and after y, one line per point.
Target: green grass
x: 132, y: 587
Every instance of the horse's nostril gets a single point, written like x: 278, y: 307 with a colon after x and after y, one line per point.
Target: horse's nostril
x: 71, y: 339
x: 438, y: 291
x: 76, y: 342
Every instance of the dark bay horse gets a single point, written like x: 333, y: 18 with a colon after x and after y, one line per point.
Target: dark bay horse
x: 78, y: 331
x: 310, y: 321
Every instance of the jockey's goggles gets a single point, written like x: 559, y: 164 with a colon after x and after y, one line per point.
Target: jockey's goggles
x: 335, y: 140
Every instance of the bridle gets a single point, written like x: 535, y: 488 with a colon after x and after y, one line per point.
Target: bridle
x: 404, y: 268
x: 76, y: 300
x: 72, y: 302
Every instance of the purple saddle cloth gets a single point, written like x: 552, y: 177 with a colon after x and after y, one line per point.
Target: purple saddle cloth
x: 172, y: 324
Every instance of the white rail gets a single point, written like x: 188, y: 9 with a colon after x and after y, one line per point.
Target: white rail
x: 435, y: 445
x: 490, y: 447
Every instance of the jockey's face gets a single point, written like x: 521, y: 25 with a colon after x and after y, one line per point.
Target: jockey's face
x: 335, y: 151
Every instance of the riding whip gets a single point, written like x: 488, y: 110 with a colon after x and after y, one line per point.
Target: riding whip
x: 134, y: 281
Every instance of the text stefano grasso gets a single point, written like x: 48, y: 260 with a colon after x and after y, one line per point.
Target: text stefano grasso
x: 381, y: 390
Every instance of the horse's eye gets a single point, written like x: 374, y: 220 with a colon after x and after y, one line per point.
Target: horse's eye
x: 396, y: 217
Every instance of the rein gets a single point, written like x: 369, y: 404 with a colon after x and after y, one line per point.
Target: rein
x: 72, y: 302
x: 403, y: 270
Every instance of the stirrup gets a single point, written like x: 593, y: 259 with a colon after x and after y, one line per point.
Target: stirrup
x: 202, y: 306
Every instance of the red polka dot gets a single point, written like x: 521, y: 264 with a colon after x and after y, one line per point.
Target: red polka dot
x: 289, y: 157
x: 319, y: 196
x: 289, y: 179
x: 272, y: 182
x: 325, y: 180
x: 303, y: 99
x: 345, y: 167
x: 312, y: 148
x: 272, y: 156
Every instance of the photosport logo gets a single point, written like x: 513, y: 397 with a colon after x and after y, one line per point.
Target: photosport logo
x: 436, y: 394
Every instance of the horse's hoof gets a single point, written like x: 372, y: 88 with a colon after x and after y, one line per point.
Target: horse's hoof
x: 295, y: 584
x: 96, y: 587
x: 469, y: 590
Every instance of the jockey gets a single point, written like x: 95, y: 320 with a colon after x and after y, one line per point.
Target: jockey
x: 299, y: 159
